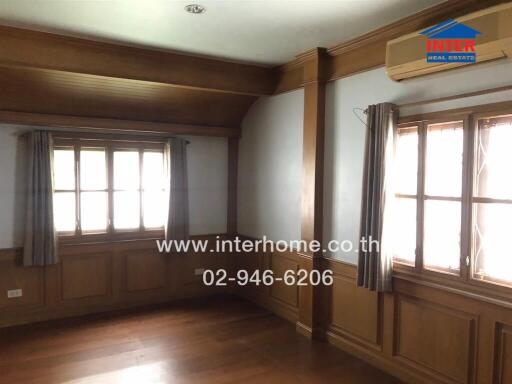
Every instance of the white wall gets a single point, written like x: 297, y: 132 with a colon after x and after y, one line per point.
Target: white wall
x: 207, y: 159
x: 12, y: 187
x: 270, y: 168
x: 208, y: 180
x: 345, y: 134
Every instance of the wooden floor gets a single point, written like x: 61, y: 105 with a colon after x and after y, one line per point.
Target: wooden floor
x: 224, y: 340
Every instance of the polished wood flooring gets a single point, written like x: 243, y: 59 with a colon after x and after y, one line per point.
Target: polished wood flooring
x: 222, y: 340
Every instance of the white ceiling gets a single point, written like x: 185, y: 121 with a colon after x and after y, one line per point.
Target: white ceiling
x: 255, y: 31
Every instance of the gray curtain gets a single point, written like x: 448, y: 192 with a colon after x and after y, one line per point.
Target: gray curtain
x: 375, y: 262
x: 40, y: 246
x: 177, y: 220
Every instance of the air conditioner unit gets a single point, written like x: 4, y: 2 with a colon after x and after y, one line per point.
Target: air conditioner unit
x: 406, y: 56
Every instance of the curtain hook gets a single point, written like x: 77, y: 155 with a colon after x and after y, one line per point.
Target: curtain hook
x: 365, y: 111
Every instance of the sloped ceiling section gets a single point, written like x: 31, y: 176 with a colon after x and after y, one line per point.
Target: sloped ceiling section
x: 64, y: 93
x: 50, y: 74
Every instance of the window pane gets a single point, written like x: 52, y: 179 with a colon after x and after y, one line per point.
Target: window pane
x: 126, y: 170
x: 93, y: 211
x: 153, y: 171
x: 126, y: 210
x: 406, y: 161
x: 403, y: 230
x: 443, y: 165
x: 441, y: 241
x: 93, y: 169
x: 155, y: 209
x: 491, y: 234
x: 493, y: 161
x: 64, y: 211
x: 64, y: 168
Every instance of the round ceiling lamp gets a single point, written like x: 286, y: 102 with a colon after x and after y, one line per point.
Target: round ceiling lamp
x: 195, y: 9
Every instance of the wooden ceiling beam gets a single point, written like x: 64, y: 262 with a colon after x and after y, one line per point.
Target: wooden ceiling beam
x: 41, y: 50
x: 80, y: 122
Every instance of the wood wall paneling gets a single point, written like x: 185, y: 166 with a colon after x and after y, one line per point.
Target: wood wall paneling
x: 354, y: 310
x: 442, y: 340
x: 86, y: 275
x: 435, y: 334
x: 352, y: 313
x: 313, y: 145
x: 99, y: 277
x: 503, y: 354
x: 12, y: 276
x: 251, y: 262
x: 280, y: 263
x: 185, y: 266
x: 425, y: 333
x: 145, y: 269
x: 279, y: 298
x: 310, y: 297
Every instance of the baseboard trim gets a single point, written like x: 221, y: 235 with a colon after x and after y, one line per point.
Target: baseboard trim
x: 44, y: 314
x: 304, y: 330
x: 277, y: 307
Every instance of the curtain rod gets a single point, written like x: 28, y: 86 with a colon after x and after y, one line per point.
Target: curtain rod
x: 105, y: 135
x: 454, y: 97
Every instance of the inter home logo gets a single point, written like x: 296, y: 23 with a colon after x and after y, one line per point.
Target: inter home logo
x: 451, y: 42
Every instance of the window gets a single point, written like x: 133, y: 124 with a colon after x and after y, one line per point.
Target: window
x: 109, y: 189
x: 442, y: 197
x: 405, y: 187
x: 452, y: 198
x: 492, y: 200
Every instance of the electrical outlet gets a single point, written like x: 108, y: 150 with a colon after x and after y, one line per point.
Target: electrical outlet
x: 12, y: 293
x: 199, y: 271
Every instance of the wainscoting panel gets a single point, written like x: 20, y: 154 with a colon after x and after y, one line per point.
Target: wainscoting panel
x: 439, y: 339
x: 87, y: 275
x: 101, y: 277
x: 353, y: 313
x: 503, y: 354
x: 279, y: 264
x: 12, y: 276
x: 354, y: 310
x: 251, y: 262
x: 281, y: 299
x: 145, y: 269
x: 423, y: 332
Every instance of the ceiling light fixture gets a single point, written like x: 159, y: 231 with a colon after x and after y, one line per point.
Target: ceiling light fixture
x: 195, y: 9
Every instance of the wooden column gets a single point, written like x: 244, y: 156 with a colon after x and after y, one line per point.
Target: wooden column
x: 310, y: 313
x: 232, y: 185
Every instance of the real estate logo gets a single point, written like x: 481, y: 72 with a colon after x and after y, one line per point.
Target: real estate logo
x: 451, y: 42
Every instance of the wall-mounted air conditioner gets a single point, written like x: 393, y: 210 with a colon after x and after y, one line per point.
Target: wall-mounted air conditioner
x: 491, y: 30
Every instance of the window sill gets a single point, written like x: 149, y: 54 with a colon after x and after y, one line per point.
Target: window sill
x: 473, y: 289
x: 105, y: 238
